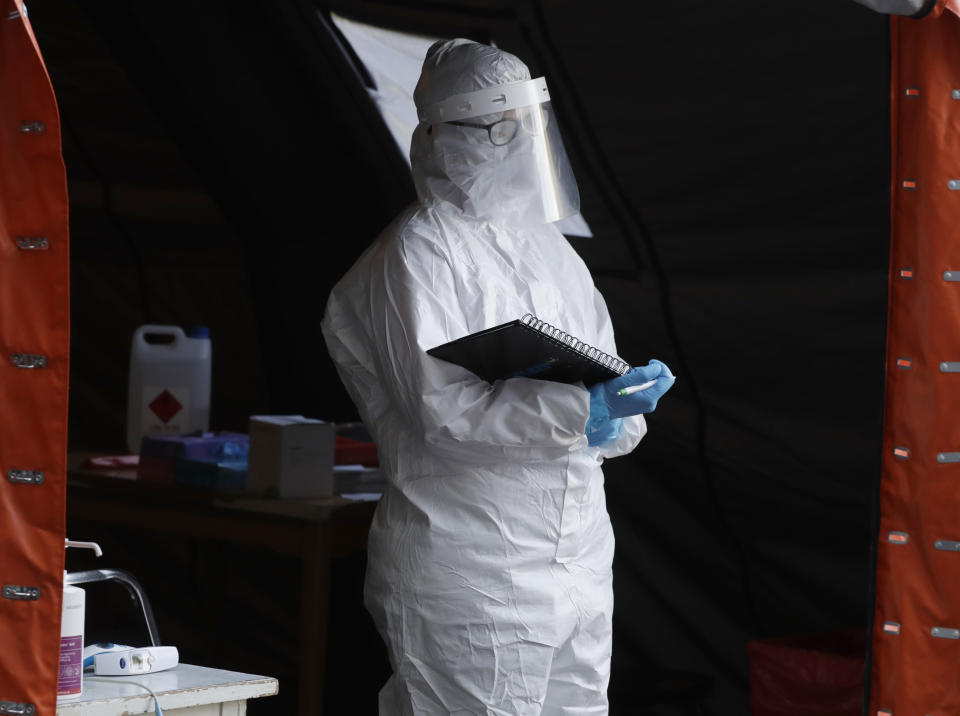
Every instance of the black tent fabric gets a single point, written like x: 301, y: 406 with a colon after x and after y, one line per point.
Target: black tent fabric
x: 227, y: 165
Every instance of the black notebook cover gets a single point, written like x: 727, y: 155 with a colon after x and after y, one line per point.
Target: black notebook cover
x: 516, y: 349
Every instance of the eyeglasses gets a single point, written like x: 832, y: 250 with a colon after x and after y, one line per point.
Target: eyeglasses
x: 500, y: 133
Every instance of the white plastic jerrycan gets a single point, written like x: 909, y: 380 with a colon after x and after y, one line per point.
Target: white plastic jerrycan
x: 169, y: 382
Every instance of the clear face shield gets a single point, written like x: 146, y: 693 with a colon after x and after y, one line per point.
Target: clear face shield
x: 526, y: 169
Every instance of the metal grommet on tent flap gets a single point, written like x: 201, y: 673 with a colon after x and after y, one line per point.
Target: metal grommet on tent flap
x: 945, y: 633
x: 28, y: 360
x: 904, y: 363
x: 955, y: 94
x: 13, y: 708
x: 906, y: 273
x: 953, y: 276
x: 909, y: 184
x: 891, y: 628
x: 953, y: 185
x: 25, y: 477
x: 945, y: 457
x: 898, y: 537
x: 950, y: 366
x: 912, y: 92
x: 901, y: 453
x: 33, y: 127
x: 20, y: 593
x: 946, y: 545
x: 32, y: 243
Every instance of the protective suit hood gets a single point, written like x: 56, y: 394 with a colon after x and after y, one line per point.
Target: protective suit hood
x: 526, y: 181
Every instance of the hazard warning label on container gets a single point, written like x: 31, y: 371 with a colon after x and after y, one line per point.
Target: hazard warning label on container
x: 165, y: 406
x: 166, y: 411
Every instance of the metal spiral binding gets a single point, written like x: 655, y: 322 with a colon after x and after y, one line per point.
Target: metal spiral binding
x: 572, y: 342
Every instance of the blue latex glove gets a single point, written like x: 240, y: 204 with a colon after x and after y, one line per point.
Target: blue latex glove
x: 601, y: 428
x: 644, y: 401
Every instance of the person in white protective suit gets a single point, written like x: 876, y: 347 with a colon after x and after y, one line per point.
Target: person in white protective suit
x: 489, y: 572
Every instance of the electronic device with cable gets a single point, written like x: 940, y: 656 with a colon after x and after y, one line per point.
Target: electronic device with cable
x: 107, y: 659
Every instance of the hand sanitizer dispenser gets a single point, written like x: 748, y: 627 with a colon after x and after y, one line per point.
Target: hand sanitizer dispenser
x: 70, y: 680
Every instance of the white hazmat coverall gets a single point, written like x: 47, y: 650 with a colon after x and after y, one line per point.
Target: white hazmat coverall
x: 489, y: 572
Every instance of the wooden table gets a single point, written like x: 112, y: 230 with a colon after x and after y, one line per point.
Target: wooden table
x: 186, y: 690
x: 312, y: 531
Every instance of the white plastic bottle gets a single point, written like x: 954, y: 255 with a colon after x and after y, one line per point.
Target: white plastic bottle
x: 169, y: 392
x: 70, y: 679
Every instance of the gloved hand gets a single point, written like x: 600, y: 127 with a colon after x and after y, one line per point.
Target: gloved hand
x: 601, y: 428
x: 604, y: 395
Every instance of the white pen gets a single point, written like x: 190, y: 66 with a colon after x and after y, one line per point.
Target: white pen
x: 636, y: 388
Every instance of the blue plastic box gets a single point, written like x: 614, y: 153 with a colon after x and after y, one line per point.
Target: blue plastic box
x: 158, y: 454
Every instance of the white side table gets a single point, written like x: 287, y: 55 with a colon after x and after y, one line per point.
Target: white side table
x: 183, y: 691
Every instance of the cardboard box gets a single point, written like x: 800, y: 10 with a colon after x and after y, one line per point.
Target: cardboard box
x: 290, y: 456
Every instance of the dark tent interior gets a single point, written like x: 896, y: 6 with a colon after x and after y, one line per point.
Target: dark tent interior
x: 226, y: 165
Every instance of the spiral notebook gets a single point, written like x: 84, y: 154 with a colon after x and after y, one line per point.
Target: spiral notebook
x: 531, y: 348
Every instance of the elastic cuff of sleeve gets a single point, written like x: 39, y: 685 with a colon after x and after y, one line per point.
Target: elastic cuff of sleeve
x: 599, y: 415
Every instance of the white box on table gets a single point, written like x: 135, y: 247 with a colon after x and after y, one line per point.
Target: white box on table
x: 291, y: 456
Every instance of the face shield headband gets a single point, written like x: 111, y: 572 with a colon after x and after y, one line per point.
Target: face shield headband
x: 520, y: 123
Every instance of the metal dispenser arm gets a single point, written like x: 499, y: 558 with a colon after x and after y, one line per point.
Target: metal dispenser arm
x: 128, y: 581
